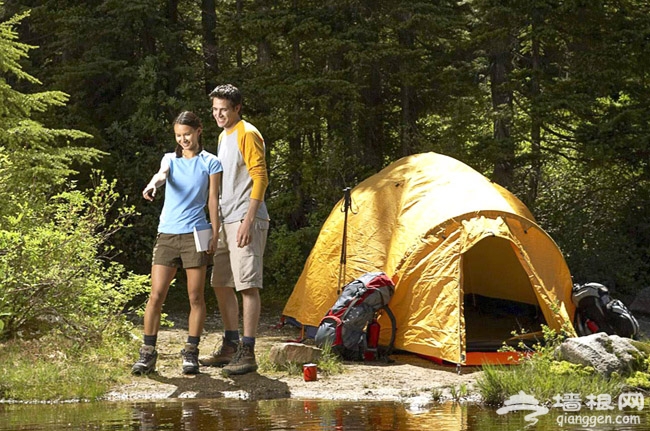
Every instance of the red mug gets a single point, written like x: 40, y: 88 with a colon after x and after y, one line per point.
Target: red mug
x: 309, y: 372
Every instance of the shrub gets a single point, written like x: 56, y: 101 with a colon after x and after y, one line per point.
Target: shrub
x: 55, y: 268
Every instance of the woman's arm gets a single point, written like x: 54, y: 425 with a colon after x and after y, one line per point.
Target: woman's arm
x: 157, y: 180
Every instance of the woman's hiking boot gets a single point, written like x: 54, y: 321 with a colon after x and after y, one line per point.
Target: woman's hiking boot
x: 147, y: 362
x: 190, y: 355
x: 220, y: 357
x: 243, y: 362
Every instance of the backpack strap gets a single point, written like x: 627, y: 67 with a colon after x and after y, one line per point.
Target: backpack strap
x: 391, y: 345
x: 349, y: 307
x: 338, y: 328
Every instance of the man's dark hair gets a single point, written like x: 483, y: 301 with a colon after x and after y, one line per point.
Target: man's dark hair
x: 228, y: 92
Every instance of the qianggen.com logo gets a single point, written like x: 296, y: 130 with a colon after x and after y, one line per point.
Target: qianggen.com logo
x: 572, y: 404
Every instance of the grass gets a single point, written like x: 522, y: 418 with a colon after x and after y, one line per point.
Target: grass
x: 458, y: 393
x: 436, y: 394
x: 544, y: 377
x: 328, y: 364
x: 55, y: 369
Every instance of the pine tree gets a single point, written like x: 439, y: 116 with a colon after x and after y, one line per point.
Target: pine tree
x: 40, y: 157
x: 52, y: 236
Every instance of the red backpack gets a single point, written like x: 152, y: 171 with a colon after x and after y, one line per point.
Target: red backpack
x: 351, y: 327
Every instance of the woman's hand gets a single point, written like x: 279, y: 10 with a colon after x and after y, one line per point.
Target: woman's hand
x: 149, y: 192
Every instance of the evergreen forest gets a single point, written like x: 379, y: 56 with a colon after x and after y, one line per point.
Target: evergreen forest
x: 548, y: 98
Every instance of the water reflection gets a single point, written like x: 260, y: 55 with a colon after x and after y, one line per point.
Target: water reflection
x: 278, y: 414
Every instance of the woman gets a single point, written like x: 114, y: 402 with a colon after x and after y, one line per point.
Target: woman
x: 192, y: 176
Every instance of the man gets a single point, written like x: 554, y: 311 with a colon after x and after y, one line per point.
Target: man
x: 245, y: 221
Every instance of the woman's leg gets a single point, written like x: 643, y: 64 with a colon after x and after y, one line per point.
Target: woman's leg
x: 196, y: 294
x: 161, y: 278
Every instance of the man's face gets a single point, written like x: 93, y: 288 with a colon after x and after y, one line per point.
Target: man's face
x: 224, y: 113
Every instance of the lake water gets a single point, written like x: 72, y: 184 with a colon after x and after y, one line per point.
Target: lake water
x: 288, y: 414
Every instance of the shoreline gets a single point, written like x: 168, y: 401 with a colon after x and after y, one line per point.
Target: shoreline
x: 406, y: 378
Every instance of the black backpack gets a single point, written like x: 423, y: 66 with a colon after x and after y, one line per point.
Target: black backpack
x: 352, y: 321
x: 597, y: 311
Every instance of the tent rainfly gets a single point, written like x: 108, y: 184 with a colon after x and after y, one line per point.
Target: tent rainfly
x: 469, y: 262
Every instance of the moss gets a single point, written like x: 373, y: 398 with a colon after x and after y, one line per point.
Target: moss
x: 564, y: 368
x: 639, y: 380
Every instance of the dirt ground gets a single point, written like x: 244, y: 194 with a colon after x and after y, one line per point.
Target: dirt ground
x: 408, y: 378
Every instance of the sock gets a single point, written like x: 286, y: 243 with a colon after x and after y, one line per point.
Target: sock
x: 193, y: 340
x: 249, y: 341
x: 150, y: 340
x: 232, y: 336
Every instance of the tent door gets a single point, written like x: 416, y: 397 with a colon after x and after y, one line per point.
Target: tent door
x: 497, y: 296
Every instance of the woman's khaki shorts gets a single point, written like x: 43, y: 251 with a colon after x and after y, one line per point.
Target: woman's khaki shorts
x: 236, y: 267
x: 178, y: 251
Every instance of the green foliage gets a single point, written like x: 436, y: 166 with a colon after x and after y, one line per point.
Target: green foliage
x: 328, y: 364
x: 641, y: 378
x: 52, y: 369
x: 41, y: 157
x: 458, y: 392
x: 550, y: 99
x: 597, y: 218
x: 55, y: 271
x: 543, y: 376
x: 56, y: 268
x: 285, y: 258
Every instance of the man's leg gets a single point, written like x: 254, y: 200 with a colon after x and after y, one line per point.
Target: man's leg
x: 248, y: 264
x: 252, y: 306
x: 244, y: 360
x: 229, y: 309
x: 221, y: 281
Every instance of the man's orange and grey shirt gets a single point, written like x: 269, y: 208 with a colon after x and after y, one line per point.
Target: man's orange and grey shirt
x: 242, y: 154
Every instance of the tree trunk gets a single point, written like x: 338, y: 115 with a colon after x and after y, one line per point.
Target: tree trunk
x: 536, y: 121
x: 240, y: 7
x: 407, y: 96
x: 371, y: 127
x: 209, y: 41
x: 503, y: 157
x: 298, y: 216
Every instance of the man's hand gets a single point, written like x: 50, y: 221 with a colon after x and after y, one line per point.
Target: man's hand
x: 244, y: 234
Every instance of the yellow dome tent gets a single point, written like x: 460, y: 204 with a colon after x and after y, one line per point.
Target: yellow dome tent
x: 469, y: 262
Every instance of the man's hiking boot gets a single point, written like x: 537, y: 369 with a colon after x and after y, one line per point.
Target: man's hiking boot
x: 243, y: 362
x: 190, y: 355
x: 220, y: 357
x: 147, y: 362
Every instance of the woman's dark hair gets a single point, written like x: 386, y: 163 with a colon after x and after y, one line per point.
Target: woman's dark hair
x: 187, y: 118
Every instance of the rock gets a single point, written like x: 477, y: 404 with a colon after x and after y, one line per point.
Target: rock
x: 299, y: 353
x: 641, y: 303
x: 605, y: 353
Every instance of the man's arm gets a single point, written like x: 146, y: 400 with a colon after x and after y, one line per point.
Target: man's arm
x: 254, y: 157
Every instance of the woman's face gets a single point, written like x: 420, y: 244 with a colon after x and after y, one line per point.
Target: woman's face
x: 187, y: 137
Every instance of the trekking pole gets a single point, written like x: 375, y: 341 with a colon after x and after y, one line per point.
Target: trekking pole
x: 347, y: 201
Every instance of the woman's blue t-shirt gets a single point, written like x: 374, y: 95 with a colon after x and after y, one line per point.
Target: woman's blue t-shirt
x: 186, y: 192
